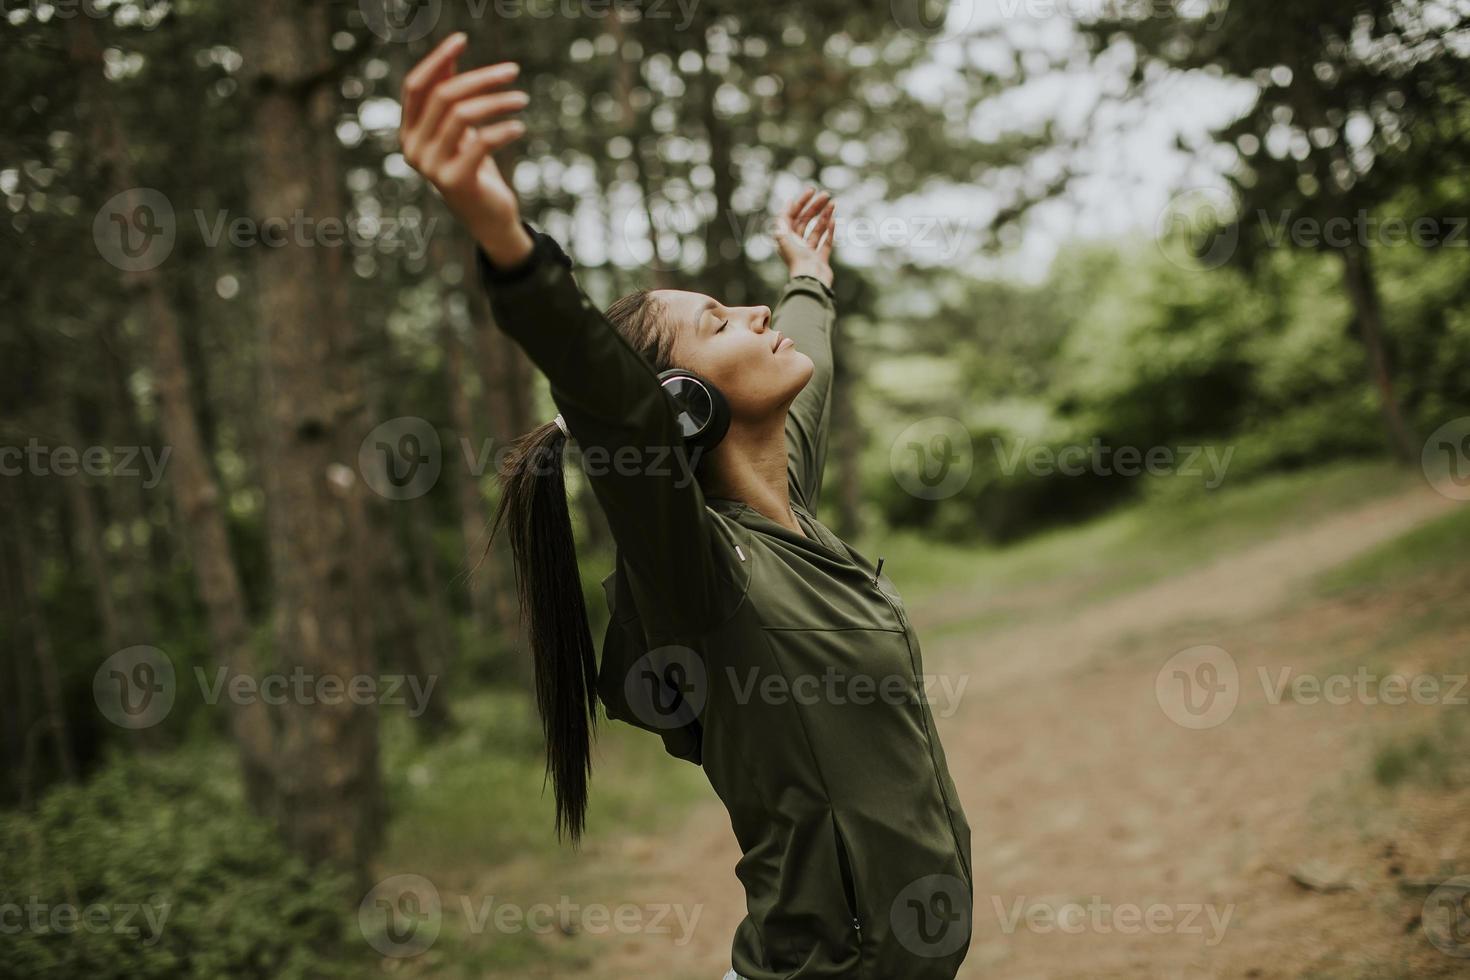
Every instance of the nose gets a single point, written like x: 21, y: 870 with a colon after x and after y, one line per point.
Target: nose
x: 762, y: 318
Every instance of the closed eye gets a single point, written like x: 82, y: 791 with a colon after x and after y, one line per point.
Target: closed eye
x: 722, y: 325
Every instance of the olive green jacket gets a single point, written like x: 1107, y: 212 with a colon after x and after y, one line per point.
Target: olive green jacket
x: 781, y: 663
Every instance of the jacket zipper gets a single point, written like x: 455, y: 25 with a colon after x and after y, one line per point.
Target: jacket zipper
x: 924, y: 718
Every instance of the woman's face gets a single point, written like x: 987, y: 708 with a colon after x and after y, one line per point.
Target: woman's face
x: 758, y: 369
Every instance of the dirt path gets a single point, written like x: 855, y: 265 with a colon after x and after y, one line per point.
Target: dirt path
x: 1081, y: 791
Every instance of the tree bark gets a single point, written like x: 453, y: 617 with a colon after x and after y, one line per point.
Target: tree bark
x: 429, y: 653
x: 327, y: 776
x: 190, y: 474
x: 662, y: 273
x: 1362, y: 287
x: 54, y: 717
x: 473, y: 519
x: 725, y: 256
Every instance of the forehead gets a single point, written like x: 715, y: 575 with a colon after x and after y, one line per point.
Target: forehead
x: 683, y: 305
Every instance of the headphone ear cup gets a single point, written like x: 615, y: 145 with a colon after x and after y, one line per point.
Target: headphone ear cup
x: 704, y: 414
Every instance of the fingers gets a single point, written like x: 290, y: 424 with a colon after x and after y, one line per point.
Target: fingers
x: 502, y: 134
x: 794, y: 208
x: 445, y: 95
x: 822, y: 226
x: 810, y: 210
x: 471, y: 112
x: 824, y: 249
x: 435, y: 66
x: 477, y: 144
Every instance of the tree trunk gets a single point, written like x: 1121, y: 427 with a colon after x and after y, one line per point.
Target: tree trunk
x: 473, y: 520
x: 94, y: 554
x: 21, y: 727
x: 428, y: 655
x: 190, y: 475
x: 54, y: 717
x: 495, y: 353
x: 662, y: 271
x: 328, y: 782
x: 127, y: 505
x: 1362, y: 287
x: 725, y: 259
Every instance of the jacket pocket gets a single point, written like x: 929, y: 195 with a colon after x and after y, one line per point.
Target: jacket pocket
x: 849, y: 879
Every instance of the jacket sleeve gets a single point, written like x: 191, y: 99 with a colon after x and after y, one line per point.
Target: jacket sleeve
x: 625, y: 435
x: 805, y: 312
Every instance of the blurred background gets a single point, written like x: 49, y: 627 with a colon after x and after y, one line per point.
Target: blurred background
x: 1153, y: 352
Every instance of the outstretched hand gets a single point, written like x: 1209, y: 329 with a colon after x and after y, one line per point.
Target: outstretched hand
x: 804, y: 233
x: 451, y: 125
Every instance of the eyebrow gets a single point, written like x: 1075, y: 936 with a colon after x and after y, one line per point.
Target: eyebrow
x: 709, y: 304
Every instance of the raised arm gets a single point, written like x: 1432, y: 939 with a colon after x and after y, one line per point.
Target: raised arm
x: 626, y: 434
x: 805, y: 312
x: 622, y: 421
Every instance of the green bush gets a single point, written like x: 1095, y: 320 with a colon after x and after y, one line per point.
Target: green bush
x: 153, y: 868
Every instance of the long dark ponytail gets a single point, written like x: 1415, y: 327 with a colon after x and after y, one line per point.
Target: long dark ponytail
x: 533, y: 506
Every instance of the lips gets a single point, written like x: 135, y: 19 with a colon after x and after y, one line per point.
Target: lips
x: 782, y: 341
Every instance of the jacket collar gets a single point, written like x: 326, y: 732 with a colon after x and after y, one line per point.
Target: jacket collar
x: 748, y: 517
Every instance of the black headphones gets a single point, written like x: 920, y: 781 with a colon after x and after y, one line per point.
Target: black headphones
x: 703, y: 413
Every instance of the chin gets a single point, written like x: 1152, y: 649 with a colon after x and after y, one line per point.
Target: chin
x: 808, y: 367
x: 799, y: 373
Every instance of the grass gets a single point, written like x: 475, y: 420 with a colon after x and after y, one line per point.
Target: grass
x: 1438, y: 757
x: 480, y: 793
x: 472, y: 814
x: 1172, y: 528
x: 1430, y: 549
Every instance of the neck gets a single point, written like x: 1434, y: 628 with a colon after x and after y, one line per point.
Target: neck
x: 749, y: 465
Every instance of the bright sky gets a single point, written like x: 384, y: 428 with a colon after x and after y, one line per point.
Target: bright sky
x: 1132, y: 165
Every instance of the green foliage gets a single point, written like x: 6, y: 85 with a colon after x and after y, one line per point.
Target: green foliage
x: 482, y: 789
x: 208, y: 891
x: 1438, y: 758
x: 1261, y: 368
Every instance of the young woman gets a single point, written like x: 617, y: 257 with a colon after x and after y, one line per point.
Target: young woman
x: 747, y: 634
